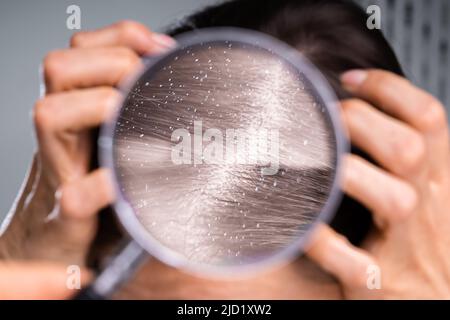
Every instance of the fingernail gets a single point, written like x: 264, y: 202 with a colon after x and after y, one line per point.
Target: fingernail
x: 164, y: 40
x: 354, y: 78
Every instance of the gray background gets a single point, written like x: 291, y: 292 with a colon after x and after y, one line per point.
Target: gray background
x: 419, y: 31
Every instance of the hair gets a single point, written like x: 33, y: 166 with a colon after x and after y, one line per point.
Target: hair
x: 333, y: 35
x: 250, y: 199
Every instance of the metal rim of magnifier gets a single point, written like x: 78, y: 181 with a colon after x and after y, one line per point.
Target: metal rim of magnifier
x: 260, y: 41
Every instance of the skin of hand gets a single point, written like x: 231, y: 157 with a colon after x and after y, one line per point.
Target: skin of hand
x: 36, y: 280
x: 405, y: 131
x: 56, y: 218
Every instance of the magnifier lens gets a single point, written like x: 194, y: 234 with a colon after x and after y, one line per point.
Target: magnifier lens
x: 225, y: 152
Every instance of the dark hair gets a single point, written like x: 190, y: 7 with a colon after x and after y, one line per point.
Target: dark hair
x: 332, y: 34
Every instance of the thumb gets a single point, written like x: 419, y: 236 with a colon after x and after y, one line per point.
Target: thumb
x: 38, y: 280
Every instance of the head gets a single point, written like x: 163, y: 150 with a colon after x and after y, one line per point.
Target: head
x: 332, y: 34
x: 265, y: 164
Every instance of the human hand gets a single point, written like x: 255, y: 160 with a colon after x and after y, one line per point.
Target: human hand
x: 80, y: 94
x: 37, y: 280
x: 405, y: 131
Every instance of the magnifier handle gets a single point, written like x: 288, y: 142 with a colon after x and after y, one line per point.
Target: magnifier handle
x: 118, y: 270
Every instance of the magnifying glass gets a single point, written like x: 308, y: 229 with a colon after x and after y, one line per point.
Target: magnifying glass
x: 225, y: 153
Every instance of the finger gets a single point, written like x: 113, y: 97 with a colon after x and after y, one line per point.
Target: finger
x: 83, y: 198
x: 398, y: 97
x: 75, y: 110
x: 393, y: 144
x: 125, y: 33
x: 88, y: 67
x: 389, y: 198
x: 334, y: 253
x: 37, y: 280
